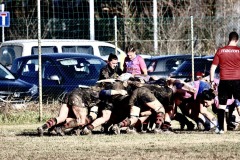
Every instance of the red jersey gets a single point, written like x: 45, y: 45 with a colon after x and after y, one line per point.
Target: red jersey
x: 228, y: 59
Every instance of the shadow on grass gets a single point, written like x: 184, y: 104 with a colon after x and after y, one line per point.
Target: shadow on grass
x: 68, y: 133
x: 97, y: 132
x: 28, y: 133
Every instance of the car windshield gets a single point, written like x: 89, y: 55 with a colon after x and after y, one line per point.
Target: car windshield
x: 78, y: 49
x: 106, y: 50
x: 5, y: 74
x: 44, y: 49
x: 82, y: 67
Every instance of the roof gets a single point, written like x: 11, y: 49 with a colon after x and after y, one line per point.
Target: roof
x: 170, y: 56
x: 47, y: 42
x: 208, y: 58
x: 62, y: 55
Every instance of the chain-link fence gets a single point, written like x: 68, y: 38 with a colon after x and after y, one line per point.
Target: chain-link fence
x: 174, y: 34
x: 135, y: 23
x: 70, y: 19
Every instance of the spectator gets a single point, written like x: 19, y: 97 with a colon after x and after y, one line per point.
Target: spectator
x: 111, y: 70
x: 133, y: 63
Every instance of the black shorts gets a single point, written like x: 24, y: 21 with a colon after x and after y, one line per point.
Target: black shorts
x: 227, y: 89
x: 114, y: 102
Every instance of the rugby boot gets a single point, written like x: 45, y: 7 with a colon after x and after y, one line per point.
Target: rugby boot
x: 86, y: 131
x: 190, y: 126
x: 59, y: 131
x: 236, y: 126
x: 131, y: 130
x: 116, y: 129
x: 76, y: 131
x: 144, y: 130
x: 106, y: 128
x: 157, y: 131
x: 51, y: 131
x: 167, y: 129
x: 40, y: 131
x: 200, y: 126
x: 217, y: 131
x: 166, y: 126
x: 232, y: 126
x: 49, y: 124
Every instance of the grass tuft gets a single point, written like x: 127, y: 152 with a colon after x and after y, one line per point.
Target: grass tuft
x: 26, y: 114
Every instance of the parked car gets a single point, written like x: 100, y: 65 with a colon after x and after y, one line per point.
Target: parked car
x: 201, y: 64
x: 162, y: 66
x: 9, y: 50
x: 61, y: 72
x: 14, y: 90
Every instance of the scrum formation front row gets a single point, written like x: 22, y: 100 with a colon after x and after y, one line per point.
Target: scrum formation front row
x: 132, y: 105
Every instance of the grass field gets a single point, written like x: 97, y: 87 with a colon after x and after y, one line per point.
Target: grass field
x: 22, y: 142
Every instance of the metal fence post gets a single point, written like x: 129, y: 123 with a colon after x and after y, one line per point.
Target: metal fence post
x: 115, y: 31
x: 91, y: 18
x: 3, y: 33
x: 155, y: 27
x: 192, y: 44
x: 39, y: 62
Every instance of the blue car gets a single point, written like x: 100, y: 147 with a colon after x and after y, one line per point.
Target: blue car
x: 13, y: 90
x: 201, y: 64
x: 162, y: 66
x: 61, y: 72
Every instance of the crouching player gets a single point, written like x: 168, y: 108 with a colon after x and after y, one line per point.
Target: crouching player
x: 78, y: 109
x: 140, y: 98
x: 111, y: 98
x: 198, y: 110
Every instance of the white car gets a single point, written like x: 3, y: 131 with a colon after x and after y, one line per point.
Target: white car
x: 12, y: 49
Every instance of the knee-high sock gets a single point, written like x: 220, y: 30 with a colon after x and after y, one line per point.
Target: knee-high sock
x: 145, y: 124
x: 220, y: 115
x: 230, y: 113
x: 51, y: 122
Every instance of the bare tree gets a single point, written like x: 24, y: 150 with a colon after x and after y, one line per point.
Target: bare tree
x: 173, y: 21
x: 25, y: 23
x: 213, y: 20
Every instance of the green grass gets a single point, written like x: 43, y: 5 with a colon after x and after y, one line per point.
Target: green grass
x: 19, y: 140
x: 27, y: 114
x: 22, y: 142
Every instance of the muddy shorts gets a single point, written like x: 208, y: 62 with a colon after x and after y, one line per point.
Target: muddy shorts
x: 141, y: 96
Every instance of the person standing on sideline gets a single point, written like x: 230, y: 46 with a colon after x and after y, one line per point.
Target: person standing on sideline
x: 133, y: 63
x: 227, y: 58
x: 111, y: 70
